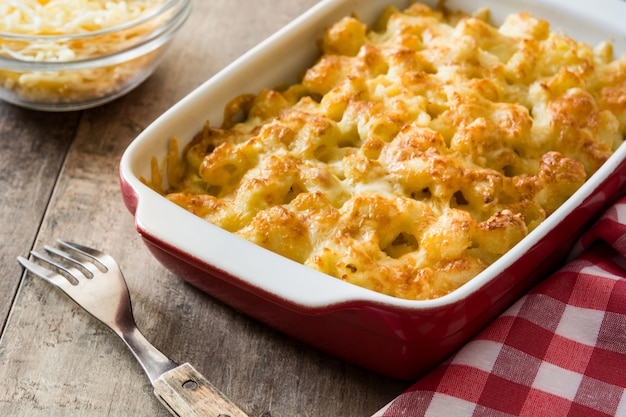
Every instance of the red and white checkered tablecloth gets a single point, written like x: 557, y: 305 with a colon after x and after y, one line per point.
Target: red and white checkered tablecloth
x: 559, y: 351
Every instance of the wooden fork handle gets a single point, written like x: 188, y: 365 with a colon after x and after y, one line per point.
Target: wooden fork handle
x: 186, y: 393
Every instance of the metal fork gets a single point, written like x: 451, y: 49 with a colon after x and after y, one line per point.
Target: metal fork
x: 95, y: 282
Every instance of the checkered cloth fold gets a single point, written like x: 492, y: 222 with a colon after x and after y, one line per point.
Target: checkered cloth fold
x: 559, y: 351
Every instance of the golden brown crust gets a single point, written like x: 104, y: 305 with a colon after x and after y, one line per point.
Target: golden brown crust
x: 413, y: 155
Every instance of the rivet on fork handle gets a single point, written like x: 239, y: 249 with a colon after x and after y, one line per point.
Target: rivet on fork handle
x: 185, y: 390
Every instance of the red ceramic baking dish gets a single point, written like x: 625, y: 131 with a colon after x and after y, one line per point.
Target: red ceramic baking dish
x: 395, y: 337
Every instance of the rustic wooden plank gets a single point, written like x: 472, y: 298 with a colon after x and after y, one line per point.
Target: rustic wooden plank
x: 55, y: 360
x: 32, y: 149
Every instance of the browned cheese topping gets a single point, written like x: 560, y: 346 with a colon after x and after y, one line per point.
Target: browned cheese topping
x: 414, y: 153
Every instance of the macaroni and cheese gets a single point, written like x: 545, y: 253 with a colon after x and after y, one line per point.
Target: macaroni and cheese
x: 412, y: 154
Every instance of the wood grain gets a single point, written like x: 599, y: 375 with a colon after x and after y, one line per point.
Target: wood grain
x: 58, y: 178
x: 32, y: 149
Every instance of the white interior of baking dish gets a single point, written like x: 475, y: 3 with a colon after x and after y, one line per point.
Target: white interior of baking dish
x: 280, y: 59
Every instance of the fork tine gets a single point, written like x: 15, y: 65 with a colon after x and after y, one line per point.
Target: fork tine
x: 102, y: 258
x: 73, y: 272
x: 91, y: 268
x: 45, y: 274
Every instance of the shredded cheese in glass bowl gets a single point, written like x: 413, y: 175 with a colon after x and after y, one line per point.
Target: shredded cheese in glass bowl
x: 60, y: 55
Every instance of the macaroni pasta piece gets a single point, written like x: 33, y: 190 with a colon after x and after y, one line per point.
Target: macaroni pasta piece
x: 413, y: 154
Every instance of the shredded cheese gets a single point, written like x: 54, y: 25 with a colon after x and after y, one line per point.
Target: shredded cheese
x: 63, y: 17
x: 68, y: 17
x: 47, y: 21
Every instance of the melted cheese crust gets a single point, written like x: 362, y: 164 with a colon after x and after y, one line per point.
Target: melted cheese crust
x: 413, y: 154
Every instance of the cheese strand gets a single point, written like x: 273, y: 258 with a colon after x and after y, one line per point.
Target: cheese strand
x: 64, y: 17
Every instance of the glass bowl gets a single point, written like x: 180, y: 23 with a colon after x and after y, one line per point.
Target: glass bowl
x: 74, y: 71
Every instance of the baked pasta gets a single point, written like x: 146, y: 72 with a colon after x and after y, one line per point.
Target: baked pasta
x: 414, y: 153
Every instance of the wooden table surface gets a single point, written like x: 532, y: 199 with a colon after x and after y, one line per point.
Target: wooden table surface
x: 59, y: 178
